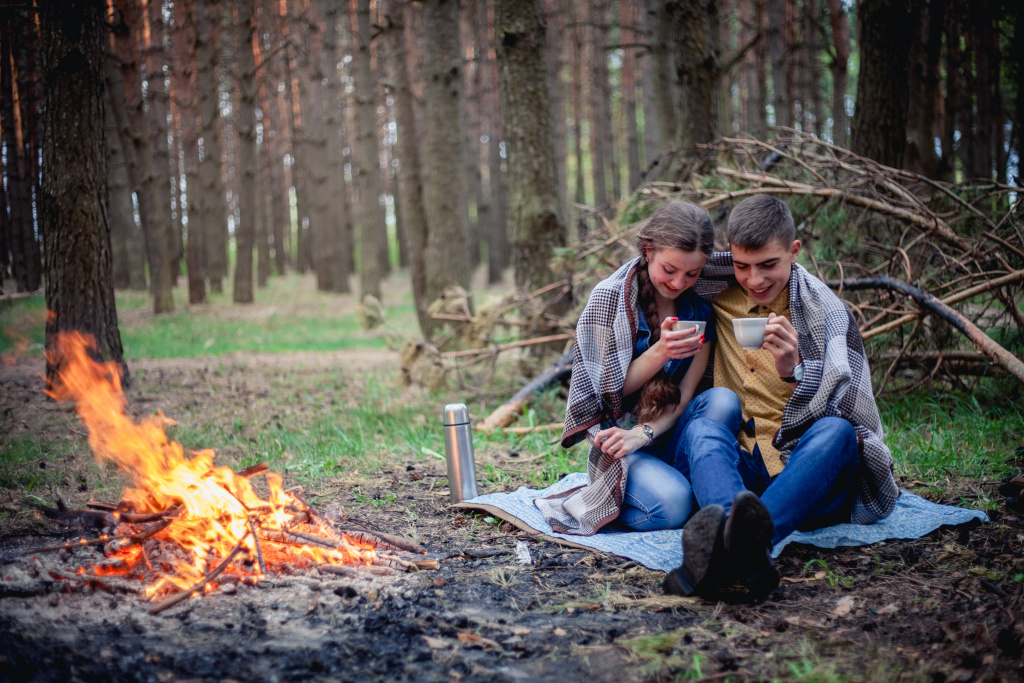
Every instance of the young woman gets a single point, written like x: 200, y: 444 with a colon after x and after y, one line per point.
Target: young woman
x: 633, y: 375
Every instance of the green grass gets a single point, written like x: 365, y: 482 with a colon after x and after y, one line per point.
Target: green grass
x: 299, y: 319
x: 939, y: 435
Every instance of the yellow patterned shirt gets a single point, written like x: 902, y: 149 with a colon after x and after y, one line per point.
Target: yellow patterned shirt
x: 751, y: 374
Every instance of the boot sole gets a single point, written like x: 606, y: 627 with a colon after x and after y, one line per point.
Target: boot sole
x: 700, y: 538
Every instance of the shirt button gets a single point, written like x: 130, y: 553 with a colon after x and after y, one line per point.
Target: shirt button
x: 751, y: 369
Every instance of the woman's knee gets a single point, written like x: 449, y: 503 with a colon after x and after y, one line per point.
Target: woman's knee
x: 676, y: 509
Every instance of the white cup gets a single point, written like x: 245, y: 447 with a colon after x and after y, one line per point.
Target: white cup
x: 749, y: 332
x: 689, y: 325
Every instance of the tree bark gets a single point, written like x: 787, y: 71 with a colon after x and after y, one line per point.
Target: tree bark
x: 497, y: 238
x: 185, y: 84
x: 663, y: 69
x: 245, y: 229
x: 776, y: 12
x: 555, y: 14
x: 576, y: 97
x: 880, y: 120
x: 339, y: 210
x: 157, y: 109
x: 841, y: 58
x: 134, y: 128
x: 986, y: 59
x: 752, y: 88
x: 27, y: 52
x: 923, y: 88
x: 696, y: 72
x: 443, y: 188
x: 628, y: 21
x: 274, y: 134
x: 295, y: 82
x: 471, y: 164
x: 602, y: 165
x: 408, y: 176
x: 537, y: 226
x: 367, y: 161
x: 210, y: 219
x: 26, y: 264
x: 813, y: 80
x: 73, y: 199
x: 121, y: 211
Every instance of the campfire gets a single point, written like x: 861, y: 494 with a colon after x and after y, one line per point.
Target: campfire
x: 183, y: 522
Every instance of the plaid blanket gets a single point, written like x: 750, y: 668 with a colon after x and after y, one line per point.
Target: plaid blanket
x: 605, y: 337
x: 837, y: 381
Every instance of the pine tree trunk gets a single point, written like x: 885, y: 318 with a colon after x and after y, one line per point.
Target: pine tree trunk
x: 134, y: 128
x: 157, y: 109
x: 339, y: 210
x: 323, y: 230
x: 24, y: 251
x: 813, y: 114
x: 366, y: 168
x: 185, y: 84
x: 841, y: 46
x: 953, y: 96
x: 120, y: 142
x: 880, y: 119
x: 663, y: 70
x: 245, y: 229
x: 443, y: 188
x: 751, y: 87
x: 5, y: 239
x: 471, y: 128
x: 210, y: 209
x: 924, y: 91
x: 409, y: 204
x: 73, y: 198
x: 576, y: 96
x: 121, y: 212
x: 986, y: 69
x: 1016, y: 57
x: 537, y: 227
x: 696, y: 72
x: 554, y: 13
x: 27, y: 51
x: 628, y: 21
x: 498, y: 197
x: 652, y: 125
x: 275, y: 133
x: 595, y: 57
x: 776, y: 12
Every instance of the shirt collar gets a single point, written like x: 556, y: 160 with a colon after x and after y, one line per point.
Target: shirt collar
x: 779, y: 304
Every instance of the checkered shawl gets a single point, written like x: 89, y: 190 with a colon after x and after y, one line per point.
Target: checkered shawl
x: 837, y: 381
x: 605, y: 337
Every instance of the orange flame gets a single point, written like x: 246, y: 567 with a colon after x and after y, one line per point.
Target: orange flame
x: 217, y: 503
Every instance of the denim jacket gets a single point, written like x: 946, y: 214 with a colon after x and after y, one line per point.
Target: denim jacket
x: 689, y: 306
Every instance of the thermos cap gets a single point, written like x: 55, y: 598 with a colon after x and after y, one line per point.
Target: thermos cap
x: 456, y: 413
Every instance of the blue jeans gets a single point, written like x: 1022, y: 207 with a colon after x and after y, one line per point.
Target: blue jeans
x: 815, y: 488
x: 658, y: 494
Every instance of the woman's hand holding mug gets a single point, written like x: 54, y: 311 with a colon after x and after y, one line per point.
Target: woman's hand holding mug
x: 679, y: 344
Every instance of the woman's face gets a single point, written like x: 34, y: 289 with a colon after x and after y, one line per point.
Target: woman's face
x: 673, y: 271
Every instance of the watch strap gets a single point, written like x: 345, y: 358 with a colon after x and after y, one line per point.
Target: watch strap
x: 649, y: 431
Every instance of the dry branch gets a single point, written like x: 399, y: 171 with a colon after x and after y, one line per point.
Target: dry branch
x: 184, y: 595
x: 986, y: 344
x: 507, y: 412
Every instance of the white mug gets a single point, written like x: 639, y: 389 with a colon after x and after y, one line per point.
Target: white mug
x: 749, y: 332
x: 689, y: 325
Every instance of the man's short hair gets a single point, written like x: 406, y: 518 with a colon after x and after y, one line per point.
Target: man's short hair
x: 758, y: 220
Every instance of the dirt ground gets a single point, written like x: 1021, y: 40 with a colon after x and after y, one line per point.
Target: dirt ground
x: 947, y: 607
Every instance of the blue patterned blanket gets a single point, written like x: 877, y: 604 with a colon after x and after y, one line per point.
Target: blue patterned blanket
x: 913, y: 518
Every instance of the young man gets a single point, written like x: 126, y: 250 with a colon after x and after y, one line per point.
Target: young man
x: 789, y: 437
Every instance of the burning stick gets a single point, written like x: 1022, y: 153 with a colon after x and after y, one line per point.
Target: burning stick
x: 116, y: 543
x: 184, y: 595
x: 252, y: 470
x: 259, y: 551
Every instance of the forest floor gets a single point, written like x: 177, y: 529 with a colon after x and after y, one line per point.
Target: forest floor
x: 947, y: 607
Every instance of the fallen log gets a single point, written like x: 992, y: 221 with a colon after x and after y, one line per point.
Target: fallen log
x: 507, y: 412
x: 982, y: 341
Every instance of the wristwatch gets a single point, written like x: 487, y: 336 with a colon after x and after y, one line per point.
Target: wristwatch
x: 649, y: 432
x: 798, y: 374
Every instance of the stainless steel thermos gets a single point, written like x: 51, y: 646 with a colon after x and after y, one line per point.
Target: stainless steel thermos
x: 458, y: 445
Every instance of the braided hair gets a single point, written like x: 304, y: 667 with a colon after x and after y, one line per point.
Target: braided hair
x: 676, y: 225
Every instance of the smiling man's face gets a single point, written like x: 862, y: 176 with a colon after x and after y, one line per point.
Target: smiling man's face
x: 764, y: 272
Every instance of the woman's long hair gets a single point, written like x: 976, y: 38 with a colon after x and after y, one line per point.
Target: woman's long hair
x: 676, y: 225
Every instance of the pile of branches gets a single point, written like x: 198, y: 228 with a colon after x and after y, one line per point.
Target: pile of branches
x: 932, y: 271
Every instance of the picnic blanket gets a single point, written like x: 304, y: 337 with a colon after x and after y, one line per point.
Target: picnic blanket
x: 662, y: 550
